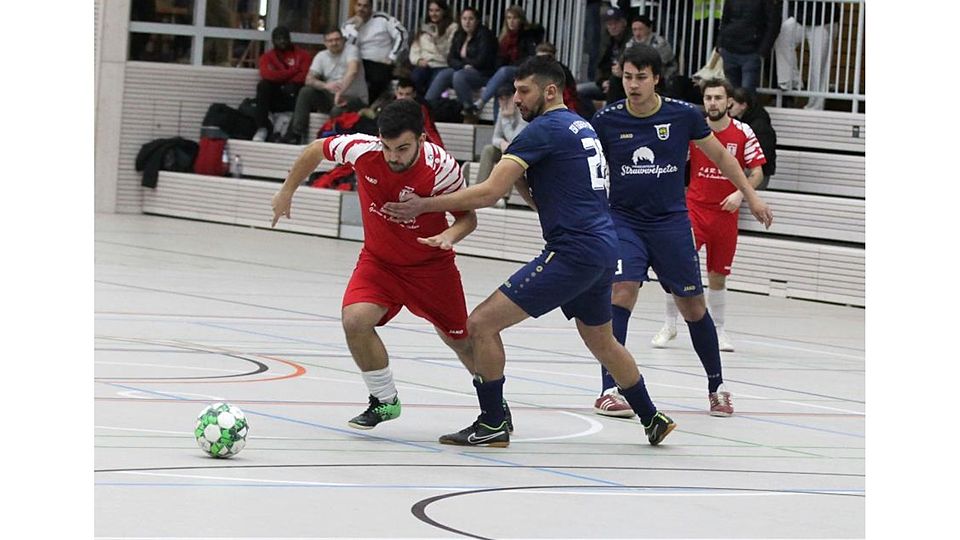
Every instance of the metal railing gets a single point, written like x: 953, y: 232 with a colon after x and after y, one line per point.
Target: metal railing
x: 563, y: 20
x: 826, y: 55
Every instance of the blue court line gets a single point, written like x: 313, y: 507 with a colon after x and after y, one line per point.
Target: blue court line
x: 587, y: 391
x: 354, y: 433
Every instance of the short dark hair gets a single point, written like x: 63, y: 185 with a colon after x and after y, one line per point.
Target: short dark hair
x: 280, y: 31
x: 641, y: 56
x: 404, y: 82
x: 505, y: 90
x: 544, y: 70
x: 398, y: 116
x: 718, y: 83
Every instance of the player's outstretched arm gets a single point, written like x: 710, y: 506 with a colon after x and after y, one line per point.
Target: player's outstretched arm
x: 308, y: 161
x: 731, y: 169
x: 481, y: 195
x: 463, y: 225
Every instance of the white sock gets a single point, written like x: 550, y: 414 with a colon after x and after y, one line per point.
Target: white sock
x: 670, y: 312
x: 380, y: 384
x: 717, y: 302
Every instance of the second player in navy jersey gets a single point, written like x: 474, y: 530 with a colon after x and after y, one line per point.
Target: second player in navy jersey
x: 558, y: 166
x: 646, y: 138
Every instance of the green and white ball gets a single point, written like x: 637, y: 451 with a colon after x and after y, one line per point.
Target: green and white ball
x: 221, y: 430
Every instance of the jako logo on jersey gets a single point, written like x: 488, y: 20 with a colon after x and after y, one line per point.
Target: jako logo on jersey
x: 663, y: 131
x: 371, y: 180
x: 643, y: 154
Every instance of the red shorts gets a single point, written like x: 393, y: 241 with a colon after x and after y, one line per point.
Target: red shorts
x: 433, y: 292
x: 718, y: 231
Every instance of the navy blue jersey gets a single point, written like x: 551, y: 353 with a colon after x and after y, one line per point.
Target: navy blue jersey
x: 567, y: 177
x: 647, y: 156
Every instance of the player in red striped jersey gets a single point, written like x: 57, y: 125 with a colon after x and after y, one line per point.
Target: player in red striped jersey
x: 395, y: 269
x: 714, y: 204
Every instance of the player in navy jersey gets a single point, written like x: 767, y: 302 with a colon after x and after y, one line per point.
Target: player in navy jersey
x: 566, y: 183
x: 645, y: 138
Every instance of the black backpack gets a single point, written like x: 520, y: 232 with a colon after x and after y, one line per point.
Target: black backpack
x: 233, y: 122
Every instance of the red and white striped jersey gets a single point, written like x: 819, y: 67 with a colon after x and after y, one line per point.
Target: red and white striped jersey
x: 708, y: 186
x: 434, y: 173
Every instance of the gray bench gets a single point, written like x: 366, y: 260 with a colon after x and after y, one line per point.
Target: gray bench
x: 816, y: 217
x: 268, y: 160
x: 826, y: 130
x: 820, y: 173
x: 458, y: 140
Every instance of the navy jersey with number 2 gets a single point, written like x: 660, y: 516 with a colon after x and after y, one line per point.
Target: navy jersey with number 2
x: 566, y: 172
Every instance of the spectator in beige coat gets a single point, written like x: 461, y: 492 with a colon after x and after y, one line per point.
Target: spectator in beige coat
x: 428, y: 52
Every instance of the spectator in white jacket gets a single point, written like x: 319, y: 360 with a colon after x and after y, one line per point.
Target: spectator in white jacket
x: 429, y: 49
x: 381, y: 39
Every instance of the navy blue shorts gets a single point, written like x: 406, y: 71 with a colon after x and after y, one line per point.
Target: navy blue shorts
x: 671, y: 253
x: 550, y: 281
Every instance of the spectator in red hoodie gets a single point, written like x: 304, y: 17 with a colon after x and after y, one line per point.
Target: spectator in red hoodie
x: 283, y: 70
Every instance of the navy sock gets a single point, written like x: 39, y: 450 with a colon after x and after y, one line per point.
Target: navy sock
x: 703, y: 333
x: 490, y: 396
x: 621, y: 318
x: 640, y: 401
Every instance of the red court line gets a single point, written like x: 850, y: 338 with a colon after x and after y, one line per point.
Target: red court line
x: 298, y: 370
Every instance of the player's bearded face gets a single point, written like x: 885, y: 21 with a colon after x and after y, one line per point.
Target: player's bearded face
x: 529, y: 99
x: 715, y: 102
x: 401, y: 152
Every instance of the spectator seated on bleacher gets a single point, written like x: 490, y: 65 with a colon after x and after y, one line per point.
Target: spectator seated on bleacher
x: 430, y: 47
x: 509, y: 124
x: 518, y: 41
x: 334, y: 84
x: 745, y: 108
x: 381, y: 39
x: 641, y: 29
x: 283, y: 70
x: 607, y: 86
x: 472, y: 60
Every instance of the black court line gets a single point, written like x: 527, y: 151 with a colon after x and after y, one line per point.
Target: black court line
x: 419, y: 509
x: 260, y: 366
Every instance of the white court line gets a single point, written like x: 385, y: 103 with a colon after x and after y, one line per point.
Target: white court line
x: 190, y: 433
x: 594, y: 427
x: 281, y: 482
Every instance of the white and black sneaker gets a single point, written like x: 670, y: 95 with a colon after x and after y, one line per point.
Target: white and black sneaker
x: 479, y: 434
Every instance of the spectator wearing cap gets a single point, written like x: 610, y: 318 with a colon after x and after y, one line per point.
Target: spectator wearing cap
x: 615, y: 22
x: 641, y: 28
x: 508, y: 125
x: 283, y: 70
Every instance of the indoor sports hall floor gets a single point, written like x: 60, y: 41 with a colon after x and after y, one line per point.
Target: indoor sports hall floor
x: 188, y: 313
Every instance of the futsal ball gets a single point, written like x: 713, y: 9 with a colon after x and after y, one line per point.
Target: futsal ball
x: 221, y: 430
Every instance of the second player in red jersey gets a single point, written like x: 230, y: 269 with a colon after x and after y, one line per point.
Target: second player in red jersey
x: 714, y: 203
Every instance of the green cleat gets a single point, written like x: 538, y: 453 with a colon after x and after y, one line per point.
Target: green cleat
x: 377, y: 412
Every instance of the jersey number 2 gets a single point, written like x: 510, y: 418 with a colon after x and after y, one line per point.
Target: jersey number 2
x: 597, y: 163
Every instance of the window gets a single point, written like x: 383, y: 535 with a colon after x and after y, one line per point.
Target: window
x: 224, y: 32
